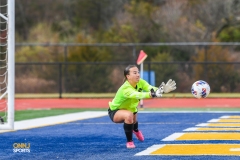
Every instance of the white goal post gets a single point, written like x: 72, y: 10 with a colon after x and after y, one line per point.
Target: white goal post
x: 7, y: 16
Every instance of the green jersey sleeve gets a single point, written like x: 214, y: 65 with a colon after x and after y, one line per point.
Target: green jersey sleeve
x: 146, y: 86
x: 128, y: 97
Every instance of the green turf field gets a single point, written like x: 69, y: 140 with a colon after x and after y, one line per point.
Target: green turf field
x: 30, y: 114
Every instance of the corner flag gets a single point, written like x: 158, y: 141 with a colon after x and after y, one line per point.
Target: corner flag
x: 142, y: 56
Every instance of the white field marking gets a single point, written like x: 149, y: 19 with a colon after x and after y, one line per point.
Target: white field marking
x: 229, y: 117
x: 173, y: 137
x: 153, y: 148
x: 54, y: 120
x: 150, y: 150
x: 234, y: 120
x: 234, y: 149
x: 225, y: 117
x: 202, y: 124
x: 211, y: 129
x: 213, y: 120
x: 141, y: 111
x: 207, y: 125
x: 191, y: 129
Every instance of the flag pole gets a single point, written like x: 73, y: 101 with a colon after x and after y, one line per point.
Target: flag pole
x: 142, y: 56
x: 141, y: 72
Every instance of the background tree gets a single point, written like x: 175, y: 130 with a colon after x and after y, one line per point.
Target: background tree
x: 223, y: 78
x: 86, y: 77
x: 164, y: 72
x: 38, y: 78
x: 122, y: 21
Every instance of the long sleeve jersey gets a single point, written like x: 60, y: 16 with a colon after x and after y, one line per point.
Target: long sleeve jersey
x: 127, y: 97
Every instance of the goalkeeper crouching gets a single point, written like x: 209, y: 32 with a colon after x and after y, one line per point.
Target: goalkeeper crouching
x: 123, y: 108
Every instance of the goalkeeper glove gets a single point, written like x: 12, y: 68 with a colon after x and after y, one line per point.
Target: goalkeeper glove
x: 170, y: 86
x: 158, y: 92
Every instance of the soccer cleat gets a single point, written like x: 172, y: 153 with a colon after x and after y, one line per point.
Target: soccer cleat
x: 130, y: 144
x: 139, y: 135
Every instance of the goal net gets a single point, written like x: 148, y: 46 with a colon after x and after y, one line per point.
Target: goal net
x: 7, y: 63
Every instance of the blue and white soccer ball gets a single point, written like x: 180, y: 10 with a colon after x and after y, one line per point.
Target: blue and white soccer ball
x: 200, y: 89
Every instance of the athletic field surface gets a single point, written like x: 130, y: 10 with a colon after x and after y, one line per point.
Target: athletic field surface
x: 173, y: 129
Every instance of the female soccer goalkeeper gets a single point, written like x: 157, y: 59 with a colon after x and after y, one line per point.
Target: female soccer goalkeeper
x: 123, y: 108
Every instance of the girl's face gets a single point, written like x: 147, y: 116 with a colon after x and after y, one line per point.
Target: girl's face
x: 133, y: 76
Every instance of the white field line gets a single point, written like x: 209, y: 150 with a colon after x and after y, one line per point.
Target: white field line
x: 172, y: 137
x: 234, y: 149
x: 213, y: 120
x: 212, y: 129
x: 54, y: 120
x: 230, y: 117
x: 223, y: 125
x: 225, y: 117
x: 153, y: 148
x: 191, y: 129
x: 202, y: 124
x: 149, y: 150
x: 218, y: 120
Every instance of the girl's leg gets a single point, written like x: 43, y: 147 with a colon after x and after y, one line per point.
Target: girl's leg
x: 137, y: 132
x: 127, y: 118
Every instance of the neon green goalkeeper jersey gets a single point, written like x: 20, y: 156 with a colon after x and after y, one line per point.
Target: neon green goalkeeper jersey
x: 127, y: 97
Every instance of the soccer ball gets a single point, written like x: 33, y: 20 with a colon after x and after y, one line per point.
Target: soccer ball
x: 200, y: 89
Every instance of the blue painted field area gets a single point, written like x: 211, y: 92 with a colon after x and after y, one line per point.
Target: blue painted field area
x: 99, y: 138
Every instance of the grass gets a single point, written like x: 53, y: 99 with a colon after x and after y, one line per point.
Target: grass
x: 40, y: 113
x: 31, y: 114
x: 111, y: 95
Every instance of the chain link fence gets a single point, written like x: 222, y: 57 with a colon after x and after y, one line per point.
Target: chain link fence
x: 107, y: 77
x: 64, y: 76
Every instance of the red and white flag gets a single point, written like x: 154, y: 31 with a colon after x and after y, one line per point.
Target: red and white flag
x: 142, y: 56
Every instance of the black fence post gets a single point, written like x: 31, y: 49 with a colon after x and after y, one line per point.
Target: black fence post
x: 60, y: 80
x: 205, y: 64
x: 134, y: 54
x: 65, y: 68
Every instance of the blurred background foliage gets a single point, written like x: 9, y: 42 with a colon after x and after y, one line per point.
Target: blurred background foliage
x: 132, y: 21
